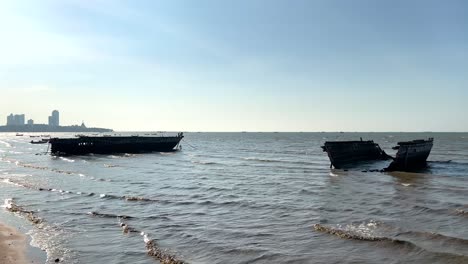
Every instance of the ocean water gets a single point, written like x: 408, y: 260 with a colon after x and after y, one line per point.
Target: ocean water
x: 239, y: 198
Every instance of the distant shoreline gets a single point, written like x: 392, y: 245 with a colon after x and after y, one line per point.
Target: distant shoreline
x: 47, y: 128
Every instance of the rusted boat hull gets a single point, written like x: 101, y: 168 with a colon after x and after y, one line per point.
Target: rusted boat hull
x: 109, y: 145
x: 346, y: 153
x: 411, y: 155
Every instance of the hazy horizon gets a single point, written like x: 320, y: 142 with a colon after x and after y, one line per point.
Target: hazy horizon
x: 211, y: 66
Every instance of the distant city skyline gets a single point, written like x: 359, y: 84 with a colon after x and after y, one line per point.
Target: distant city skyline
x: 260, y: 65
x: 19, y: 120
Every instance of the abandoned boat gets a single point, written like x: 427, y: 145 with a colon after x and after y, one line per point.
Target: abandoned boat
x: 114, y: 144
x: 411, y: 154
x: 342, y: 153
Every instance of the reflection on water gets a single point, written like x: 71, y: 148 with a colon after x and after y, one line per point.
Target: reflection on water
x: 241, y: 198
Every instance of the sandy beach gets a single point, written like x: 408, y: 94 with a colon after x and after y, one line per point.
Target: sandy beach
x: 12, y: 246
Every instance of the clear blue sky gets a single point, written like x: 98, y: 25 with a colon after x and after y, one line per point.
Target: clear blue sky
x: 253, y: 65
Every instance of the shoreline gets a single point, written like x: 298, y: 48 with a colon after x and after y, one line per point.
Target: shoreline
x: 13, y: 246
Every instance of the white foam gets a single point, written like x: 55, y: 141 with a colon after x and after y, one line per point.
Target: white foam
x: 333, y: 174
x: 8, y: 203
x: 13, y: 183
x: 406, y: 184
x: 145, y: 237
x: 102, y: 195
x: 67, y: 160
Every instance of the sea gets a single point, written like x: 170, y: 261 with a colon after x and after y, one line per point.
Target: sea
x: 238, y: 198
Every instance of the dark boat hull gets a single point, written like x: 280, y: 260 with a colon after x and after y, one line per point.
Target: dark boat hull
x: 411, y: 155
x: 346, y: 153
x: 109, y: 145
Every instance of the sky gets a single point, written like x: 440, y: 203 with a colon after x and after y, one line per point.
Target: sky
x: 244, y: 65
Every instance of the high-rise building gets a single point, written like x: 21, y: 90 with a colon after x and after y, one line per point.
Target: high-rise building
x: 10, y: 120
x: 20, y: 120
x: 15, y: 120
x: 54, y: 119
x: 30, y: 122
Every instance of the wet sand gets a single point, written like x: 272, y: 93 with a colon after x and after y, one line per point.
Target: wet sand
x: 12, y: 246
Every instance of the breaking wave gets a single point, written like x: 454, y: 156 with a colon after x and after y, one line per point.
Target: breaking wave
x: 357, y: 234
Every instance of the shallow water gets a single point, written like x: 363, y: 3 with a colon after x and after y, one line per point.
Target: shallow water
x: 242, y: 198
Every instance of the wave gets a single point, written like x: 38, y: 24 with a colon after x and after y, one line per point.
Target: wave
x: 434, y: 236
x: 31, y: 216
x: 265, y: 160
x: 152, y: 247
x: 396, y: 240
x: 67, y: 160
x: 111, y: 165
x: 33, y: 187
x: 154, y: 250
x: 204, y: 162
x: 127, y: 198
x: 281, y: 161
x: 349, y: 234
x: 32, y: 166
x: 425, y: 209
x: 20, y: 184
x: 104, y: 215
x: 109, y: 196
x: 46, y: 237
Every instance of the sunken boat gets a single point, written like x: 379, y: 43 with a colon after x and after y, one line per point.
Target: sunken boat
x: 82, y: 144
x: 345, y: 153
x: 411, y: 155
